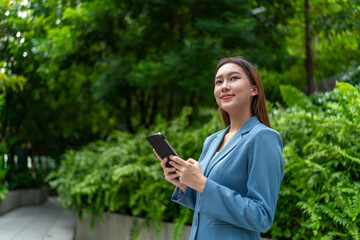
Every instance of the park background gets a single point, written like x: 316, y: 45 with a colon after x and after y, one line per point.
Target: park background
x: 83, y: 82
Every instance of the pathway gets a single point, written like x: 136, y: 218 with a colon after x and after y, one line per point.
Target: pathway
x: 41, y: 222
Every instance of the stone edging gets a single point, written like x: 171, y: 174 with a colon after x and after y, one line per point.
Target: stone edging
x: 118, y: 227
x: 23, y: 197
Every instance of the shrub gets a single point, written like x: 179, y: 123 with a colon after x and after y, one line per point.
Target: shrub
x: 319, y: 197
x: 122, y: 175
x: 3, y: 188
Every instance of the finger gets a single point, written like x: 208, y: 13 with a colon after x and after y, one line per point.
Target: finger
x: 195, y: 163
x: 163, y: 162
x: 192, y: 161
x: 178, y: 172
x: 157, y: 155
x: 175, y: 164
x: 169, y: 171
x: 171, y: 177
x: 177, y: 159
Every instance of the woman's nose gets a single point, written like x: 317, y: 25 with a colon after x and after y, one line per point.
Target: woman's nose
x: 225, y: 86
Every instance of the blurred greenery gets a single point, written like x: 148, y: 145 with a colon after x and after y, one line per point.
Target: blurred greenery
x: 95, y: 66
x: 3, y: 188
x: 81, y: 77
x: 319, y: 194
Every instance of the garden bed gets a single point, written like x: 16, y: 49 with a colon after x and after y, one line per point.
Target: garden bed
x: 118, y: 227
x: 23, y: 197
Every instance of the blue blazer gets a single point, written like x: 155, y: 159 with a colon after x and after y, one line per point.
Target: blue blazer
x: 242, y: 187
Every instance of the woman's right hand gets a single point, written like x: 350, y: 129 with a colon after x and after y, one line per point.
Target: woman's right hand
x: 170, y: 174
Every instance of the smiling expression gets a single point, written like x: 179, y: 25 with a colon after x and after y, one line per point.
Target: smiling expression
x: 233, y: 90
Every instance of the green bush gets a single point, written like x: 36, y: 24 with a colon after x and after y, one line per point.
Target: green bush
x: 3, y: 188
x: 122, y: 175
x: 319, y: 197
x: 17, y: 178
x: 353, y: 77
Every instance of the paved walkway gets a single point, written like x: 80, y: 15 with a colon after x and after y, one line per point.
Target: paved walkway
x: 42, y: 222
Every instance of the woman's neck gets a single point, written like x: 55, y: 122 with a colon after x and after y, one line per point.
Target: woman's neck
x: 237, y: 120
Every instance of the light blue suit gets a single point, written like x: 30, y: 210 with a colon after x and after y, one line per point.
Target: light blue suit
x: 242, y: 187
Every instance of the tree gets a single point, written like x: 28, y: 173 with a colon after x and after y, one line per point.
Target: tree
x: 94, y: 66
x: 8, y: 84
x: 311, y: 45
x: 308, y: 49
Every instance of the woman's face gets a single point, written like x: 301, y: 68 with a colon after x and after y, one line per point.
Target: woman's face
x: 233, y: 91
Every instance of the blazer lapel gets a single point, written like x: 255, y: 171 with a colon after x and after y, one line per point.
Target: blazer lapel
x: 235, y: 140
x: 224, y: 151
x: 214, y: 145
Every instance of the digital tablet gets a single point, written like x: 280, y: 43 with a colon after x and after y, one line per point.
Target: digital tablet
x: 161, y: 146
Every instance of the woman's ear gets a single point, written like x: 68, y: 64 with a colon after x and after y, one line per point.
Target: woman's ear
x: 254, y: 91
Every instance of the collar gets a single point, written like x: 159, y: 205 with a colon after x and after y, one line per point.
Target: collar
x: 245, y: 128
x: 249, y: 124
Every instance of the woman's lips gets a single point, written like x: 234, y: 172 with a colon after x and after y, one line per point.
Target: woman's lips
x: 227, y: 96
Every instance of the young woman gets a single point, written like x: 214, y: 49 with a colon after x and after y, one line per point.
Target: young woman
x: 233, y: 188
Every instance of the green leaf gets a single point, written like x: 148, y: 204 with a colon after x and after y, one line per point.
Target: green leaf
x: 292, y: 96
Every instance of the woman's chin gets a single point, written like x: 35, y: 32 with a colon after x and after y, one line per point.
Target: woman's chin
x: 228, y: 107
x: 234, y: 110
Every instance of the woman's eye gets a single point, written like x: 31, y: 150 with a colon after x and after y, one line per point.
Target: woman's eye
x: 234, y: 78
x: 218, y: 82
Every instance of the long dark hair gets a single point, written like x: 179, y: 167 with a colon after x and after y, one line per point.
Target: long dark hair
x: 258, y: 104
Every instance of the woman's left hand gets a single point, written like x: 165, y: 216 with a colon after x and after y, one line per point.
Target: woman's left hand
x: 189, y: 172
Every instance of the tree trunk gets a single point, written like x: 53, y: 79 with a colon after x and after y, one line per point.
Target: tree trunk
x: 11, y: 157
x: 170, y: 105
x: 140, y: 97
x: 309, y: 59
x: 128, y: 113
x: 154, y: 109
x: 22, y: 158
x: 192, y: 104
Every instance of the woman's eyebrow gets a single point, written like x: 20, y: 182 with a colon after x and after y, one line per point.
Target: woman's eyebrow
x: 230, y: 73
x: 234, y: 72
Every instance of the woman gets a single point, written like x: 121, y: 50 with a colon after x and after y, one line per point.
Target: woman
x: 234, y: 187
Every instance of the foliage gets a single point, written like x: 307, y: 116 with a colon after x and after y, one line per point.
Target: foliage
x: 7, y: 83
x: 353, y: 77
x: 22, y: 179
x: 11, y: 82
x: 122, y: 174
x: 38, y: 116
x: 319, y: 197
x: 334, y: 27
x: 293, y: 97
x: 97, y: 66
x: 3, y: 188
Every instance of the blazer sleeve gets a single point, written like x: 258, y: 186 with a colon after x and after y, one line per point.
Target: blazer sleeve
x: 188, y: 199
x: 256, y: 210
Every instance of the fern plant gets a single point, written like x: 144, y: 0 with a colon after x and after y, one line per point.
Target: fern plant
x: 319, y: 198
x: 122, y: 175
x: 3, y: 188
x: 293, y: 97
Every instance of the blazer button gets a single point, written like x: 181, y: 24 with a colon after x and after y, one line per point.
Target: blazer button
x: 195, y: 222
